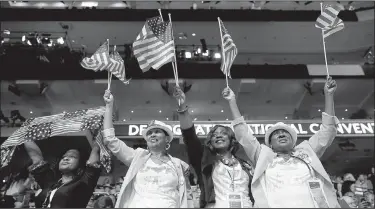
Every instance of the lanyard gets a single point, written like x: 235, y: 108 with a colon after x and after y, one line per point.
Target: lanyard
x: 47, y: 201
x: 308, y: 166
x: 232, y: 179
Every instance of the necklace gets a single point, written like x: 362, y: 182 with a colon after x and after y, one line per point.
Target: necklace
x: 173, y: 168
x: 228, y: 162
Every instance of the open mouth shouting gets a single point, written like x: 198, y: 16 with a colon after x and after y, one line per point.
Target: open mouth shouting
x: 282, y: 139
x: 219, y: 140
x: 154, y: 140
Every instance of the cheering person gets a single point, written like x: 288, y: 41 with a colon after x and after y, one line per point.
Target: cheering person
x: 154, y: 178
x: 223, y: 177
x: 76, y: 183
x: 287, y: 175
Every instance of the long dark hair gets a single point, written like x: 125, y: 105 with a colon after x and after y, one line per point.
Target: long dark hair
x: 234, y: 145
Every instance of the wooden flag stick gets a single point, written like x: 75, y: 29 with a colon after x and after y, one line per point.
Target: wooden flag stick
x: 109, y: 73
x: 161, y: 16
x: 222, y: 53
x: 324, y: 43
x: 175, y: 60
x: 174, y: 64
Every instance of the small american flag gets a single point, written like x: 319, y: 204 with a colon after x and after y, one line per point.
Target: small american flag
x: 328, y: 20
x: 99, y: 60
x: 117, y: 67
x: 154, y: 45
x: 45, y: 127
x: 229, y: 50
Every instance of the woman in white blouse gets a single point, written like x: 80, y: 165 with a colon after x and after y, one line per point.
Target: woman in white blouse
x: 154, y: 178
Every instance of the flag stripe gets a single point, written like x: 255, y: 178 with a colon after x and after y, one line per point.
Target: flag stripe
x: 157, y: 54
x: 331, y: 31
x: 168, y: 58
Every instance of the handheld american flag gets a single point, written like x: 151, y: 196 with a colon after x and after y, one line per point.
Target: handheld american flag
x: 117, y: 67
x: 328, y: 20
x: 99, y: 60
x: 54, y: 125
x: 229, y: 50
x: 154, y: 45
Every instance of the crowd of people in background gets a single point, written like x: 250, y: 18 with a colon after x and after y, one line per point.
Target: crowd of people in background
x: 356, y: 190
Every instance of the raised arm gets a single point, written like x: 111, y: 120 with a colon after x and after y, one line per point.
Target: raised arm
x: 94, y: 155
x: 92, y: 171
x: 321, y: 140
x: 191, y: 140
x: 243, y: 134
x: 124, y: 153
x: 40, y: 169
x: 34, y: 152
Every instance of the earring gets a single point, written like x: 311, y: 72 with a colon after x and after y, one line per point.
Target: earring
x: 167, y: 146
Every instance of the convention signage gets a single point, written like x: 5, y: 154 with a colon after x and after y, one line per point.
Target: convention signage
x: 357, y: 128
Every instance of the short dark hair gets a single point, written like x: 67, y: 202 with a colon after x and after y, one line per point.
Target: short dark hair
x: 231, y: 136
x: 83, y: 157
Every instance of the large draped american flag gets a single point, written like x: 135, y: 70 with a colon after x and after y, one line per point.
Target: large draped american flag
x: 99, y: 60
x: 229, y: 50
x: 154, y: 46
x: 45, y: 127
x: 328, y: 20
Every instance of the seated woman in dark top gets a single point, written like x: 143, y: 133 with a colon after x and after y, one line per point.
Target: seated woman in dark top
x: 73, y: 186
x: 222, y: 175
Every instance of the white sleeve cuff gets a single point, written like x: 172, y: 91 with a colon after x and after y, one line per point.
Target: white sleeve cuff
x: 329, y: 119
x: 237, y: 121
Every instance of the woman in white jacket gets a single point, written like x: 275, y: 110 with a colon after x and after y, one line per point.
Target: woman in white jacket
x: 287, y: 174
x: 154, y: 178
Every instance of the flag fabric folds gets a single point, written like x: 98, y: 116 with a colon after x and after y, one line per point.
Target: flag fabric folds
x: 117, y: 67
x: 229, y: 50
x: 99, y: 60
x: 154, y: 45
x: 328, y: 20
x: 45, y: 127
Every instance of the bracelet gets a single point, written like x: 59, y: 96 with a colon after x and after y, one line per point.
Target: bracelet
x: 183, y: 110
x: 34, y: 167
x: 93, y: 165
